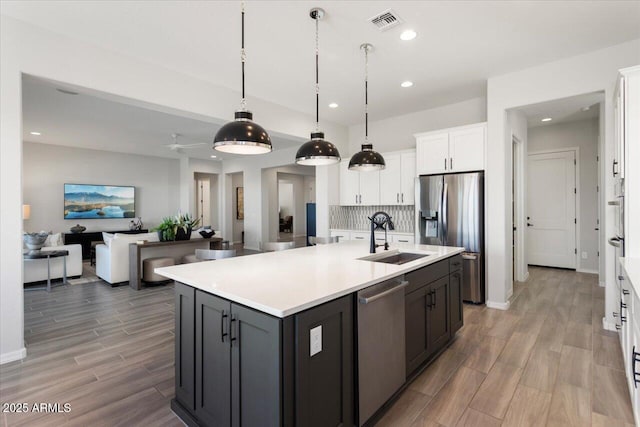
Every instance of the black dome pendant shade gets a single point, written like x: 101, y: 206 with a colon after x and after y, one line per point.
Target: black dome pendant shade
x: 367, y: 159
x: 317, y: 151
x: 243, y: 135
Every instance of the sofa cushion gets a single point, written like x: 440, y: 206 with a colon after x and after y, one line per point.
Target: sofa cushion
x: 53, y: 239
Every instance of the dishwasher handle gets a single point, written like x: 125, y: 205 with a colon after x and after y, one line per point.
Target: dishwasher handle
x: 367, y: 300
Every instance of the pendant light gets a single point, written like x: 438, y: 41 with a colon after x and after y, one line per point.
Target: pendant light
x: 243, y: 135
x: 367, y: 159
x: 317, y: 151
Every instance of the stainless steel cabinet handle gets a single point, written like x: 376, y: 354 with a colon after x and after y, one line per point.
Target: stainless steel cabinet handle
x: 614, y: 241
x: 397, y: 197
x: 367, y: 300
x: 356, y: 199
x: 451, y: 163
x: 402, y: 241
x: 445, y: 163
x: 402, y: 197
x: 614, y: 203
x: 635, y: 358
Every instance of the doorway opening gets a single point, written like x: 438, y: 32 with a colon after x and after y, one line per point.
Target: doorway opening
x: 206, y: 199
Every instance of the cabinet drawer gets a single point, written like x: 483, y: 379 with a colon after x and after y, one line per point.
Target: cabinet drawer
x: 426, y: 275
x: 455, y: 263
x: 361, y: 235
x: 400, y: 238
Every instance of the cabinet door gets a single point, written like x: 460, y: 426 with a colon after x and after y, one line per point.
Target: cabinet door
x: 213, y: 360
x: 185, y: 345
x: 455, y: 296
x: 408, y: 178
x: 432, y: 154
x: 349, y: 185
x: 324, y: 381
x: 466, y: 149
x: 403, y: 238
x: 415, y: 309
x: 438, y: 326
x: 360, y: 235
x: 390, y: 187
x: 369, y: 188
x: 255, y: 368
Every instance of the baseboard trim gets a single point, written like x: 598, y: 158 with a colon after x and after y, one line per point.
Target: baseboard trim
x: 499, y: 305
x: 609, y: 326
x: 587, y: 270
x: 12, y: 356
x: 526, y: 276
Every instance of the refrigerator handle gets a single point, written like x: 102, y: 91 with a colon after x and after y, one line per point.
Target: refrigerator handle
x: 444, y: 207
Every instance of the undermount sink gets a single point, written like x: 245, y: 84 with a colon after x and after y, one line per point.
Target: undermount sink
x: 395, y: 257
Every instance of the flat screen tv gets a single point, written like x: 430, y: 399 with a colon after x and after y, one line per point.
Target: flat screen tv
x: 88, y: 201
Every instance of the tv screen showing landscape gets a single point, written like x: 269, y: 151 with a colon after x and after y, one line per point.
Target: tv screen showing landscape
x: 84, y: 201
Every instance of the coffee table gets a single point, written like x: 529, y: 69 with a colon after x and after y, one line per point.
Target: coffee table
x: 34, y: 255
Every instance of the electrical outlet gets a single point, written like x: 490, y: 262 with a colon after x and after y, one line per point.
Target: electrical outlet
x: 585, y: 255
x: 315, y: 341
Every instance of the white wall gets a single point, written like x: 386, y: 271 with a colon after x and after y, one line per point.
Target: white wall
x: 237, y: 224
x: 309, y: 189
x: 46, y: 168
x: 584, y: 135
x: 591, y: 72
x: 28, y: 49
x: 396, y: 133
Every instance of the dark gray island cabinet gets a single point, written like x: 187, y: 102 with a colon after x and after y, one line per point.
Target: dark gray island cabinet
x: 238, y: 366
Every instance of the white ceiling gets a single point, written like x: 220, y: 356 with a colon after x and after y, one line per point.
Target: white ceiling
x: 87, y: 121
x: 564, y: 110
x: 459, y: 45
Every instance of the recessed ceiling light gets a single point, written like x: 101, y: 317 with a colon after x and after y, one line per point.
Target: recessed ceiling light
x: 35, y: 133
x: 547, y: 119
x: 213, y: 156
x: 406, y: 84
x: 333, y: 105
x: 408, y: 35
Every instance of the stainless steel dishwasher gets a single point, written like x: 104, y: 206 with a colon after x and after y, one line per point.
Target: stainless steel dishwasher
x: 381, y: 345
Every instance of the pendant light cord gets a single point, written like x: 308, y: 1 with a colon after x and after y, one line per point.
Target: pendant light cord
x: 243, y: 58
x: 366, y: 95
x: 317, y: 18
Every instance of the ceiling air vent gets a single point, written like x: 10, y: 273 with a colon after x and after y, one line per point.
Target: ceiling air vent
x: 385, y: 20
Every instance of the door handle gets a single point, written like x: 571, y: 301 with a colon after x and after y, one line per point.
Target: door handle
x: 222, y: 328
x: 367, y: 300
x: 635, y: 358
x: 529, y: 224
x: 233, y: 327
x: 614, y: 241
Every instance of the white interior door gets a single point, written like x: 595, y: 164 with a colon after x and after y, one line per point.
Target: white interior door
x: 551, y: 239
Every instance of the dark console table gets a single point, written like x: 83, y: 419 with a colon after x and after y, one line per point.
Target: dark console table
x: 86, y: 238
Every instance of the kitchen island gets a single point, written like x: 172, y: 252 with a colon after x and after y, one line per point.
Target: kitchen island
x: 273, y: 339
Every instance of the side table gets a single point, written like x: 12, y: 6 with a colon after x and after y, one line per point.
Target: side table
x: 34, y: 255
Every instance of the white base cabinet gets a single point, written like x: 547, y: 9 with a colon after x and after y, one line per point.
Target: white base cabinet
x: 344, y: 235
x: 628, y: 325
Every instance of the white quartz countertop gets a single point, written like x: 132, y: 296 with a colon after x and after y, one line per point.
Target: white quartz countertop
x: 631, y: 268
x: 287, y: 282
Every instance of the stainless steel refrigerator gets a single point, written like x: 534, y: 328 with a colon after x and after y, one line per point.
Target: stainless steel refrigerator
x: 450, y: 212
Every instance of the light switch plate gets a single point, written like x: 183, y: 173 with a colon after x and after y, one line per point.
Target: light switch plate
x: 315, y: 341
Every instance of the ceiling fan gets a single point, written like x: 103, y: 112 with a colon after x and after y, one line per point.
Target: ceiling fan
x: 175, y: 146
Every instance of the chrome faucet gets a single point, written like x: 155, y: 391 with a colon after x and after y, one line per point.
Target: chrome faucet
x: 380, y: 221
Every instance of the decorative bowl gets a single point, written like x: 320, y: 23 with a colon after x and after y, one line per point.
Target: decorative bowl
x: 35, y: 241
x: 207, y: 234
x: 78, y: 228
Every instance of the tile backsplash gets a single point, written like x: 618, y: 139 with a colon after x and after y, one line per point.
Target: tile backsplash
x: 355, y: 217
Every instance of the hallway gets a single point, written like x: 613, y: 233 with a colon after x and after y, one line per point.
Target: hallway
x: 545, y: 361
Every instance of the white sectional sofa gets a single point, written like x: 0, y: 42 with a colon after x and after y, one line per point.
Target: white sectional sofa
x: 36, y: 270
x: 112, y: 258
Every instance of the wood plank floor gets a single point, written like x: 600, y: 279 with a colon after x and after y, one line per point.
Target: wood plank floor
x: 108, y: 352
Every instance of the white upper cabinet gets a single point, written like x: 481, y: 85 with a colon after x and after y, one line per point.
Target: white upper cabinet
x: 458, y: 149
x: 358, y: 188
x: 432, y: 153
x: 397, y: 179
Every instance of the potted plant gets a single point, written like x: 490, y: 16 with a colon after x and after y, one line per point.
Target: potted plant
x: 185, y: 225
x: 176, y: 227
